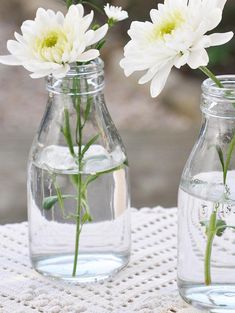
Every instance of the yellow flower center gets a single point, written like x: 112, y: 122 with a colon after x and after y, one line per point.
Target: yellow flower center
x: 51, y: 45
x: 168, y: 25
x: 167, y: 28
x: 50, y: 41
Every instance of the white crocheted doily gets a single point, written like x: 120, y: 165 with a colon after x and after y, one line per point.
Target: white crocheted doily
x: 147, y: 285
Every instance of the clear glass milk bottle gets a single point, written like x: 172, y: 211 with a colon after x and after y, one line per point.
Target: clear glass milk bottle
x: 78, y: 188
x: 206, y: 234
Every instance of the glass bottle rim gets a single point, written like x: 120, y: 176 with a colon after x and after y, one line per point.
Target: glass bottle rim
x: 210, y: 89
x: 92, y: 72
x: 94, y: 66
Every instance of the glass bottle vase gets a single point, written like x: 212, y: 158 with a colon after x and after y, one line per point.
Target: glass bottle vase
x: 78, y: 185
x: 206, y: 232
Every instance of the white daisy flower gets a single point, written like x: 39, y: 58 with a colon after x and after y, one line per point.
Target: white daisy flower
x: 52, y: 41
x: 115, y: 14
x: 175, y: 36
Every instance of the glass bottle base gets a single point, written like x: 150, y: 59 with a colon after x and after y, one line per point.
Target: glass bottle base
x: 90, y: 267
x: 214, y: 298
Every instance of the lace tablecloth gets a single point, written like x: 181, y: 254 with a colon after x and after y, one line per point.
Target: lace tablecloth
x: 147, y: 285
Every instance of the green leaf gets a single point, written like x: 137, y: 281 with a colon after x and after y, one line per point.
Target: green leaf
x: 231, y: 227
x: 220, y: 228
x: 66, y: 130
x: 59, y: 195
x: 79, y: 122
x: 74, y: 179
x: 87, y: 111
x: 100, y: 44
x: 91, y: 178
x: 221, y: 156
x: 49, y: 202
x: 88, y: 145
x: 205, y: 224
x: 95, y: 26
x: 69, y: 3
x: 86, y: 218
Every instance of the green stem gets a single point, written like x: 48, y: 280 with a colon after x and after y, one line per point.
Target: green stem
x: 78, y: 228
x: 79, y: 185
x: 208, y: 73
x: 209, y: 245
x: 67, y: 132
x: 78, y: 111
x: 211, y: 232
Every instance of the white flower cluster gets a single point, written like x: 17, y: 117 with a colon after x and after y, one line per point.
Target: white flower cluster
x: 175, y: 36
x: 52, y: 41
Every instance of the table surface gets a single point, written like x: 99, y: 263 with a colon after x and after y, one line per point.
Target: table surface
x: 147, y: 285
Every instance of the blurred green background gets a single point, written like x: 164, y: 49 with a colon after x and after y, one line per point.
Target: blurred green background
x: 158, y: 133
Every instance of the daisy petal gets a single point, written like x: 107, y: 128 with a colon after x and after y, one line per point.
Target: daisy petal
x: 147, y: 77
x: 61, y: 72
x: 218, y: 39
x: 40, y: 74
x: 182, y: 60
x: 80, y: 9
x: 9, y: 60
x: 88, y: 55
x: 99, y: 34
x: 154, y: 15
x: 60, y: 18
x: 159, y: 80
x: 87, y: 20
x: 214, y: 19
x: 220, y: 3
x: 198, y: 58
x: 19, y: 38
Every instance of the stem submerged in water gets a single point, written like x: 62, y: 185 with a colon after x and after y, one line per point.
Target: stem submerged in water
x: 209, y: 245
x: 213, y: 220
x: 212, y: 227
x: 82, y: 211
x: 78, y: 226
x: 79, y: 140
x: 211, y: 232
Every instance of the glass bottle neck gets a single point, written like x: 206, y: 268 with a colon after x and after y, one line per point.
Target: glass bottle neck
x: 216, y: 126
x: 81, y: 80
x: 219, y: 102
